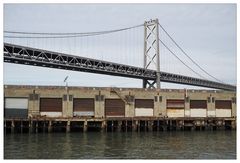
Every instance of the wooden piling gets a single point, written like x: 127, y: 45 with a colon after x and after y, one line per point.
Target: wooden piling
x: 150, y: 126
x: 5, y: 126
x: 103, y: 126
x: 121, y: 125
x: 50, y: 127
x: 134, y: 126
x: 85, y: 126
x: 68, y: 127
x: 30, y: 127
x: 21, y: 126
x: 12, y: 126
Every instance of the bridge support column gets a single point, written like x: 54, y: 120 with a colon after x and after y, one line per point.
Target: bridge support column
x: 149, y: 83
x: 151, y: 51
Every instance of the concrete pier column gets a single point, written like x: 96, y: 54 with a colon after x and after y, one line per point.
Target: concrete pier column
x: 50, y: 126
x: 178, y: 125
x: 171, y: 126
x: 134, y: 126
x: 85, y: 126
x: 5, y: 126
x: 30, y: 127
x: 103, y: 126
x: 157, y: 125
x: 211, y: 127
x: 220, y: 125
x: 12, y: 127
x: 119, y: 127
x: 36, y: 127
x: 150, y: 126
x: 145, y: 126
x: 112, y: 127
x: 138, y: 126
x: 233, y: 125
x: 44, y: 126
x: 193, y: 128
x: 164, y: 125
x: 68, y: 127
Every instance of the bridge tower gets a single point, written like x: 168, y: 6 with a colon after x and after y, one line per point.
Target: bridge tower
x: 151, y: 52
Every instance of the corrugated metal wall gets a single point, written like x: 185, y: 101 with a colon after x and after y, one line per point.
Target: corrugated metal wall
x: 144, y: 107
x: 175, y: 107
x: 114, y: 107
x: 83, y: 106
x: 50, y: 104
x: 16, y: 108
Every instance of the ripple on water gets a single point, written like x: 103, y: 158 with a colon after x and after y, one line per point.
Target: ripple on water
x: 146, y: 145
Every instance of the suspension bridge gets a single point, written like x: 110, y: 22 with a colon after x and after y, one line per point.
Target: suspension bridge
x: 113, y: 53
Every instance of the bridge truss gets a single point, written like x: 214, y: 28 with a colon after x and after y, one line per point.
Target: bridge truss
x: 38, y: 57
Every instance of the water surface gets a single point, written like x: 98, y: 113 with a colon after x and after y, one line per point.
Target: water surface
x: 120, y: 145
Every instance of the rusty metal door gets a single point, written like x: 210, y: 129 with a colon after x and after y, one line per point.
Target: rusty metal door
x: 198, y: 108
x: 198, y: 104
x: 144, y: 107
x: 175, y: 103
x: 114, y: 108
x: 223, y: 108
x: 175, y: 107
x: 144, y: 103
x: 83, y: 106
x: 223, y: 104
x: 50, y: 104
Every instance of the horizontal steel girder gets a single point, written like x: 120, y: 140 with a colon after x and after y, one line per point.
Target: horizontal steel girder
x: 37, y: 57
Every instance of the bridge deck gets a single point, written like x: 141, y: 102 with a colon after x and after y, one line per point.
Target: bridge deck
x: 38, y: 57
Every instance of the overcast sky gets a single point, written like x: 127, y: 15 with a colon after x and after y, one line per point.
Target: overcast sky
x: 207, y: 32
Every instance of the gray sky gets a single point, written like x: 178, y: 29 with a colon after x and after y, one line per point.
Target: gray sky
x: 207, y: 32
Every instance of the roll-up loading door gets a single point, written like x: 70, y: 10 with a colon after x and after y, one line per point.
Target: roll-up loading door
x: 223, y: 108
x: 51, y: 107
x: 114, y: 108
x: 144, y: 107
x: 198, y: 108
x: 16, y: 108
x: 83, y: 107
x: 175, y: 107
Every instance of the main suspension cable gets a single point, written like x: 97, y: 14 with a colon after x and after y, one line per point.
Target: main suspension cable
x: 180, y: 59
x: 65, y: 35
x: 187, y: 54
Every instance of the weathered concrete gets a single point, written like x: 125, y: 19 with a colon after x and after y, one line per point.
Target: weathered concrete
x: 159, y: 96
